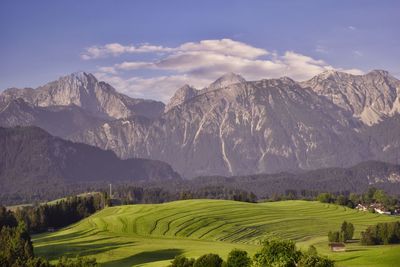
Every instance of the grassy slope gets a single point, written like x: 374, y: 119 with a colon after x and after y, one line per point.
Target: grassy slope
x: 153, y: 234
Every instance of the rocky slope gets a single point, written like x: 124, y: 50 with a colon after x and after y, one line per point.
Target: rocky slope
x: 249, y: 127
x: 233, y: 126
x: 85, y: 91
x: 371, y: 97
x: 182, y: 95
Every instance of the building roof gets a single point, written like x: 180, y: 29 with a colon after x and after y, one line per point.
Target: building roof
x: 336, y: 244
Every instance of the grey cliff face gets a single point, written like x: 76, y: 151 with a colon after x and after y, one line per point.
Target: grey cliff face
x: 249, y: 127
x: 225, y: 80
x: 182, y: 95
x: 232, y: 127
x: 85, y: 91
x: 370, y: 97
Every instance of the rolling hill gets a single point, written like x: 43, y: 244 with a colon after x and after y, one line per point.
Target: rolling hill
x: 151, y: 235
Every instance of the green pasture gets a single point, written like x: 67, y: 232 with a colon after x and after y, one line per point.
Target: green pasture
x: 153, y: 234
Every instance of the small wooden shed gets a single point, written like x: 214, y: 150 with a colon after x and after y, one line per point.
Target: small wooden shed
x: 337, y: 247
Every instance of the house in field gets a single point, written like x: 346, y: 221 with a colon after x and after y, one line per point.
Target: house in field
x: 361, y: 207
x: 337, y: 247
x: 382, y: 211
x: 379, y: 208
x: 396, y: 211
x: 376, y: 207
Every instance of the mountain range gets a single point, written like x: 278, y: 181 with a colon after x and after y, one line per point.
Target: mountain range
x: 231, y: 127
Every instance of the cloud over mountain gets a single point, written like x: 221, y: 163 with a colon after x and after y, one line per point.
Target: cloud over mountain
x: 200, y: 63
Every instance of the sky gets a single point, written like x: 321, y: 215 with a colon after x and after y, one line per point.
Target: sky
x: 149, y: 49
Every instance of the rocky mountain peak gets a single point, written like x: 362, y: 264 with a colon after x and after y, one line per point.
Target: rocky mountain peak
x: 368, y: 97
x: 382, y: 73
x: 332, y: 75
x: 83, y: 90
x: 226, y: 80
x: 78, y: 81
x: 81, y: 75
x: 183, y: 94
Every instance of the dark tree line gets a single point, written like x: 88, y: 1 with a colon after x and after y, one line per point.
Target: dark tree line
x: 62, y: 213
x: 140, y: 195
x: 371, y: 196
x: 381, y: 234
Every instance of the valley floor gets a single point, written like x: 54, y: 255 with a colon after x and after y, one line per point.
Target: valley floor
x: 153, y: 234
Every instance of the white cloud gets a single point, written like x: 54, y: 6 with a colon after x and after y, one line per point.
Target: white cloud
x: 200, y: 63
x: 159, y: 88
x: 351, y: 28
x: 224, y: 47
x: 116, y: 49
x: 133, y: 65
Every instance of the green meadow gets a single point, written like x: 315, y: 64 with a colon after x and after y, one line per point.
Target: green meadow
x: 153, y: 234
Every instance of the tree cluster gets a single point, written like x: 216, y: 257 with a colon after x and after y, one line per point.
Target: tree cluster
x: 16, y: 250
x: 346, y: 233
x: 61, y: 213
x: 371, y: 196
x: 381, y: 234
x: 274, y: 252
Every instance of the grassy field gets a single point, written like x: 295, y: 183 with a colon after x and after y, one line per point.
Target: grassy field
x: 151, y: 235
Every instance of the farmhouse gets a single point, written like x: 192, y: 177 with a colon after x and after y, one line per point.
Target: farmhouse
x: 378, y: 208
x: 337, y: 247
x: 382, y: 211
x: 361, y: 207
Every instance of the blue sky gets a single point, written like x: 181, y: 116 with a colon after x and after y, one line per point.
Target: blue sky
x: 150, y: 48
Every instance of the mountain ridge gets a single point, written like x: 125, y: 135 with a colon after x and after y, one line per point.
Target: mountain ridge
x: 31, y: 157
x: 84, y: 90
x: 269, y: 125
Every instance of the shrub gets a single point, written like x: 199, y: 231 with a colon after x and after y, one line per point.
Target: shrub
x: 277, y: 252
x: 208, y: 260
x: 77, y: 262
x: 309, y: 260
x: 182, y: 261
x: 238, y: 258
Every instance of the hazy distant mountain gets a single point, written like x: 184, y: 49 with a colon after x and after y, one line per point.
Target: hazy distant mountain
x: 30, y: 157
x: 58, y: 120
x: 357, y: 178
